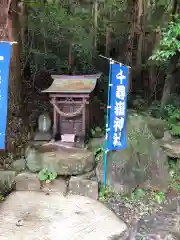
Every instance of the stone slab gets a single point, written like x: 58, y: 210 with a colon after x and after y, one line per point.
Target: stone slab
x: 83, y: 187
x: 34, y: 215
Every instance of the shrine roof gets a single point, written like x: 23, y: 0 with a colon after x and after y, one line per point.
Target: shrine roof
x: 73, y: 84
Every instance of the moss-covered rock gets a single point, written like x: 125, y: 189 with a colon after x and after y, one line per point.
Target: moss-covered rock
x: 60, y: 160
x: 143, y: 162
x: 157, y: 126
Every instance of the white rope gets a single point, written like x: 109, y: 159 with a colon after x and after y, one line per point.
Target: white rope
x: 68, y: 115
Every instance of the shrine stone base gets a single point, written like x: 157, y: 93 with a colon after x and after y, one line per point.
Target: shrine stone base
x: 75, y: 169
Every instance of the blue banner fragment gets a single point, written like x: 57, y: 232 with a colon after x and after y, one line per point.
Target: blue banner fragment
x: 5, y: 56
x: 118, y: 104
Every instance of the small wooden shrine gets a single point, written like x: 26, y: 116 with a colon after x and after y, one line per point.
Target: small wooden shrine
x: 71, y: 98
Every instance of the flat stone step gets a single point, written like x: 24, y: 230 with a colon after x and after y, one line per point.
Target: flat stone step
x: 35, y: 215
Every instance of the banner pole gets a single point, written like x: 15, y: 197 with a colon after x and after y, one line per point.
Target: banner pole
x: 9, y: 42
x: 107, y: 124
x: 100, y: 55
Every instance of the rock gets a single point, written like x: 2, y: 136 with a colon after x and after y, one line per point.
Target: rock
x: 139, y: 103
x: 142, y: 163
x: 68, y: 164
x: 89, y: 175
x: 83, y: 187
x: 57, y: 185
x: 96, y: 143
x: 27, y: 182
x: 56, y: 217
x: 33, y: 159
x: 167, y: 136
x: 171, y: 148
x: 7, y: 180
x: 157, y: 126
x: 61, y: 160
x: 19, y: 165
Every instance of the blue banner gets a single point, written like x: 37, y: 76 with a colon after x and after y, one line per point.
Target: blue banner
x: 5, y: 55
x: 118, y: 105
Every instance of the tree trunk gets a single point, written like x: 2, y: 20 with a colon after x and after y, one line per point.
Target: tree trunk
x: 169, y: 81
x: 10, y: 31
x: 95, y: 8
x: 130, y: 42
x: 107, y: 41
x: 139, y: 28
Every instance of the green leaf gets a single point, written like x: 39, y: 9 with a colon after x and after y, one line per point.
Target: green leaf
x: 42, y: 176
x: 177, y: 186
x: 139, y: 193
x: 52, y: 176
x: 169, y: 44
x: 160, y: 197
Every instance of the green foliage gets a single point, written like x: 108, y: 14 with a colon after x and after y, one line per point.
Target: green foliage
x: 47, y: 176
x: 174, y: 172
x: 149, y: 196
x: 1, y: 197
x: 158, y: 196
x: 171, y: 113
x: 99, y: 153
x: 170, y: 44
x: 173, y: 118
x: 97, y: 132
x: 138, y: 193
x: 105, y: 192
x: 53, y: 30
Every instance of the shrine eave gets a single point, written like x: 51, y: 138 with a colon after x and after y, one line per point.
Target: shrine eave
x: 73, y: 84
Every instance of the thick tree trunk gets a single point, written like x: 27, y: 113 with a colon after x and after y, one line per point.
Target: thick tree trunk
x: 15, y: 68
x: 169, y: 81
x: 130, y: 42
x: 10, y: 31
x: 140, y: 30
x: 166, y: 90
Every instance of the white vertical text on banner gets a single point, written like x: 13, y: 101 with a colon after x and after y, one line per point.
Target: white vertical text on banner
x: 5, y: 56
x: 118, y: 105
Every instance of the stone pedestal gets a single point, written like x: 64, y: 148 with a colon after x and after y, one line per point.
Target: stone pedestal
x: 42, y: 136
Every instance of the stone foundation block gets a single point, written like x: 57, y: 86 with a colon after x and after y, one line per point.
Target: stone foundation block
x: 27, y: 182
x: 57, y: 185
x: 83, y: 187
